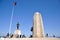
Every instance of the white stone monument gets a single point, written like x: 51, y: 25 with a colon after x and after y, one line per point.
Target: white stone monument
x: 38, y: 29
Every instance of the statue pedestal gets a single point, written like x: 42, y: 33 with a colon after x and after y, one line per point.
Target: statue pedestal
x: 17, y: 33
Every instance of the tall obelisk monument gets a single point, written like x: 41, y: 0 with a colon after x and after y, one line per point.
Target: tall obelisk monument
x: 38, y: 29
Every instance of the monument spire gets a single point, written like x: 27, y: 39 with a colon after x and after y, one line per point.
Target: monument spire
x: 38, y: 30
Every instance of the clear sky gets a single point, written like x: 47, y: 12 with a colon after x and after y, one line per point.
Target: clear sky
x: 25, y: 9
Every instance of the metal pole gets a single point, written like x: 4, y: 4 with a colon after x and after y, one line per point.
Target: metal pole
x: 11, y: 21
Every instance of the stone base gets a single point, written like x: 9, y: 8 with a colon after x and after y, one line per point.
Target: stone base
x: 29, y: 38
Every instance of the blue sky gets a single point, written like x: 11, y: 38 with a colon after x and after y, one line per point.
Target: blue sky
x: 25, y: 9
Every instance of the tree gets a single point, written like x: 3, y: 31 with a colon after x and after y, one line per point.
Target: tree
x: 11, y: 35
x: 47, y: 35
x: 7, y: 35
x: 53, y: 35
x: 31, y: 36
x: 32, y: 29
x: 23, y: 36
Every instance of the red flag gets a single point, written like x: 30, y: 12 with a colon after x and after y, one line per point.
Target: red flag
x: 14, y: 3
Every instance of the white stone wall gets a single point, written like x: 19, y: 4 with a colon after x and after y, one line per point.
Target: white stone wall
x: 29, y: 38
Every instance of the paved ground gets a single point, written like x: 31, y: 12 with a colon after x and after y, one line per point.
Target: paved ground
x: 29, y: 38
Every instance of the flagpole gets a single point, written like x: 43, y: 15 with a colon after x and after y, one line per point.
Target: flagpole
x: 11, y: 21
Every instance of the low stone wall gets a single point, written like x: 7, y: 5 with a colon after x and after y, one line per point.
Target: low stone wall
x: 29, y: 38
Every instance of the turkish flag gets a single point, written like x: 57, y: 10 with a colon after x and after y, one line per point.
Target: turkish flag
x: 14, y: 3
